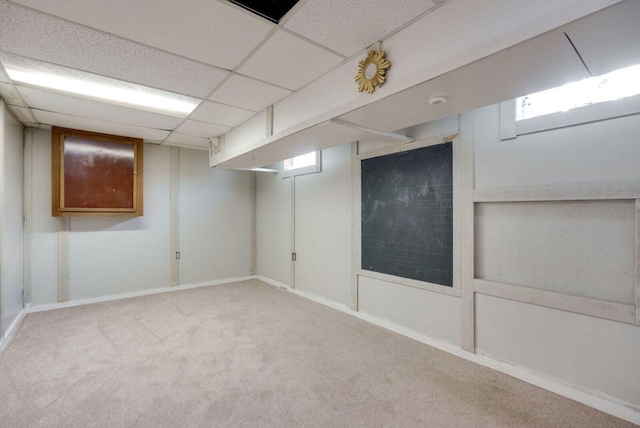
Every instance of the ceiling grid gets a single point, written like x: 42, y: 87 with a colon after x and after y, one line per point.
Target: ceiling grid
x: 234, y: 62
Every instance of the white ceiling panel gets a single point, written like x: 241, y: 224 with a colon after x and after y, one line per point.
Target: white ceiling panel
x: 204, y: 30
x: 247, y: 93
x: 74, y: 106
x: 3, y: 77
x: 30, y: 33
x: 187, y: 140
x: 350, y: 26
x: 288, y: 61
x: 610, y: 39
x: 201, y: 129
x: 85, y: 124
x: 220, y: 114
x: 22, y: 113
x: 10, y: 95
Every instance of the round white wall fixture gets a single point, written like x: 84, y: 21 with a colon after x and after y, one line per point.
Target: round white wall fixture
x: 437, y: 100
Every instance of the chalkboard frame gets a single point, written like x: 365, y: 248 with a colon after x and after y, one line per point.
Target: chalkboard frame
x: 357, y: 158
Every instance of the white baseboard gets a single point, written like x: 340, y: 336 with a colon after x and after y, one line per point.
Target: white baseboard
x: 593, y: 399
x: 322, y: 300
x: 13, y: 328
x: 52, y: 306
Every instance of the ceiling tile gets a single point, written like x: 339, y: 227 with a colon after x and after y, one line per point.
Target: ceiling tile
x: 220, y: 114
x: 288, y: 61
x: 10, y: 95
x: 93, y: 125
x: 248, y: 93
x: 30, y: 33
x: 74, y: 106
x: 204, y: 30
x: 348, y: 27
x: 201, y: 129
x: 187, y: 140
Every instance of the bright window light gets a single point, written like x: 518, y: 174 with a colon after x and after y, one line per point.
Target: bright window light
x: 608, y: 87
x: 301, y: 161
x: 87, y: 85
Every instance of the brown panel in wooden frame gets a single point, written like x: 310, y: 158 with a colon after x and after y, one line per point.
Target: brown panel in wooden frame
x: 95, y: 174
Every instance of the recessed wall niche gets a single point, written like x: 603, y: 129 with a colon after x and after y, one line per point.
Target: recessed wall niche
x: 95, y: 174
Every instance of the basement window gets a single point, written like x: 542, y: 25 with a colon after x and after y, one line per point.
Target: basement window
x: 608, y: 87
x: 597, y: 98
x: 304, y: 164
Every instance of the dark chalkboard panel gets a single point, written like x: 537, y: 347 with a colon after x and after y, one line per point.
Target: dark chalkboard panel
x: 407, y: 214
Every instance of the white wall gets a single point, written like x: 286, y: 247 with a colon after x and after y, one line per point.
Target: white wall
x: 44, y: 227
x: 215, y: 220
x: 587, y: 353
x: 113, y: 255
x: 432, y: 314
x: 607, y: 150
x: 273, y: 227
x: 323, y: 232
x: 323, y: 243
x: 11, y: 265
x: 110, y: 256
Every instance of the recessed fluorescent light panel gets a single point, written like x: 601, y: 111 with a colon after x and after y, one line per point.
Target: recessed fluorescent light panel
x: 273, y: 10
x: 28, y: 72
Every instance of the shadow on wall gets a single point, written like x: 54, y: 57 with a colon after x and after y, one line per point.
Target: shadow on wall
x: 106, y: 224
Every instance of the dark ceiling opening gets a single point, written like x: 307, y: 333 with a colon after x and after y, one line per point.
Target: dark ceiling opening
x: 273, y: 10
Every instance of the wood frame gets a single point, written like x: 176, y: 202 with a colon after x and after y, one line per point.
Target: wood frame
x: 57, y: 175
x: 550, y: 299
x: 616, y: 190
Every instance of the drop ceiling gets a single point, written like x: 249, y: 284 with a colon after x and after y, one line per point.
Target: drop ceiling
x: 233, y: 61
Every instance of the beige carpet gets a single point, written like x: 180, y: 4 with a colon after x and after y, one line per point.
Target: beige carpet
x: 250, y: 355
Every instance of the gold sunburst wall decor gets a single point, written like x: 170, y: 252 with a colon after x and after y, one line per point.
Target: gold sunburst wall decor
x: 372, y: 71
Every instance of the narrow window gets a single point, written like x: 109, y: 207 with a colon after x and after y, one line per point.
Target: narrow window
x: 304, y: 164
x: 608, y: 87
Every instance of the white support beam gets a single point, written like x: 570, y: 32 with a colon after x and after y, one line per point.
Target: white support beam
x: 475, y: 37
x: 399, y: 138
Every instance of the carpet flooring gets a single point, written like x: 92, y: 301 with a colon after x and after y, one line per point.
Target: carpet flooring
x: 251, y: 355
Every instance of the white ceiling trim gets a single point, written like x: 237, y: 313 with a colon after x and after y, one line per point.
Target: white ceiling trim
x: 102, y: 126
